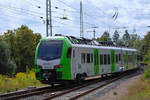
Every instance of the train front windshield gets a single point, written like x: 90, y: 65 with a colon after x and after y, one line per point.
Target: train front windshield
x: 50, y: 50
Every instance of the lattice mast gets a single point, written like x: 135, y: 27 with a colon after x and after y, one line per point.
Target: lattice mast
x: 48, y: 18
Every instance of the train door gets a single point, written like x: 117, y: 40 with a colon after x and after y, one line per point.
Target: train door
x: 80, y: 62
x: 89, y: 62
x: 77, y: 62
x: 74, y: 62
x: 104, y: 61
x: 118, y: 60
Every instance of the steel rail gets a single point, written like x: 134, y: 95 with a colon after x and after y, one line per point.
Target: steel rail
x: 27, y: 93
x: 70, y: 90
x: 113, y: 78
x: 91, y: 90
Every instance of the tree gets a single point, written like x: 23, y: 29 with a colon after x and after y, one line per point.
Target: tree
x: 126, y: 37
x: 22, y: 42
x: 146, y: 42
x: 116, y: 37
x: 104, y: 37
x: 10, y: 39
x: 7, y: 65
x: 133, y: 39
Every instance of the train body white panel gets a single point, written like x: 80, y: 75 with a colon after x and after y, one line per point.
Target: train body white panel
x: 48, y: 64
x: 78, y: 67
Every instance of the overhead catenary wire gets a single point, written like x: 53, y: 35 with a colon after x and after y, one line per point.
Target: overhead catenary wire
x: 76, y: 10
x: 34, y: 5
x: 16, y: 11
x: 35, y: 14
x: 22, y: 9
x: 17, y: 15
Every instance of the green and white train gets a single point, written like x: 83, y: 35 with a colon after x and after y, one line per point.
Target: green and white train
x: 66, y: 58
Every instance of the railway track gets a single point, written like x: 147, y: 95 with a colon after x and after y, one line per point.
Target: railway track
x: 93, y: 89
x: 68, y: 95
x: 28, y: 92
x: 62, y: 90
x: 36, y: 91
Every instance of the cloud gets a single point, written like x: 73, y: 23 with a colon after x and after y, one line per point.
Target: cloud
x: 132, y: 13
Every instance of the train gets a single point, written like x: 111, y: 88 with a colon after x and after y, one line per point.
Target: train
x: 67, y: 58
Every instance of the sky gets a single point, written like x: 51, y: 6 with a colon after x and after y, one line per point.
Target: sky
x: 133, y: 15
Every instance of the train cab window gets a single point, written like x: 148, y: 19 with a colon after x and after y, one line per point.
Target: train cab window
x: 82, y: 58
x: 88, y: 58
x: 108, y: 59
x: 101, y: 59
x: 105, y: 59
x: 69, y: 53
x: 91, y: 58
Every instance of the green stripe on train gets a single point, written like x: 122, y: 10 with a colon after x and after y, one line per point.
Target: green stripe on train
x: 112, y: 60
x: 37, y: 69
x: 96, y: 59
x: 64, y: 61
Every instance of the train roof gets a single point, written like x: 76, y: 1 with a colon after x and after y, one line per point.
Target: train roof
x: 104, y: 47
x: 89, y: 43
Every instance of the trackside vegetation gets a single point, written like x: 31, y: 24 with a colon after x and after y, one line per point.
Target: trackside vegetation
x: 141, y: 89
x: 20, y: 81
x: 17, y: 53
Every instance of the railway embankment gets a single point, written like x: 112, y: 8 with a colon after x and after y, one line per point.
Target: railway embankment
x: 135, y: 88
x: 140, y: 90
x: 119, y: 90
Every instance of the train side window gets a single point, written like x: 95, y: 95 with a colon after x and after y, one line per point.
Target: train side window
x: 69, y: 53
x: 91, y: 58
x: 105, y: 59
x: 135, y: 56
x: 116, y: 58
x: 73, y: 53
x: 101, y: 60
x: 108, y: 59
x: 82, y: 58
x: 130, y: 58
x: 125, y: 59
x: 88, y: 58
x: 119, y: 57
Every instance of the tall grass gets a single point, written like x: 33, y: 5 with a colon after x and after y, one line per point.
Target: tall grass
x: 20, y: 81
x: 140, y: 90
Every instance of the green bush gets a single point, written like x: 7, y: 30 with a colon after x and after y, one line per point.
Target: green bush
x: 20, y: 81
x: 147, y: 73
